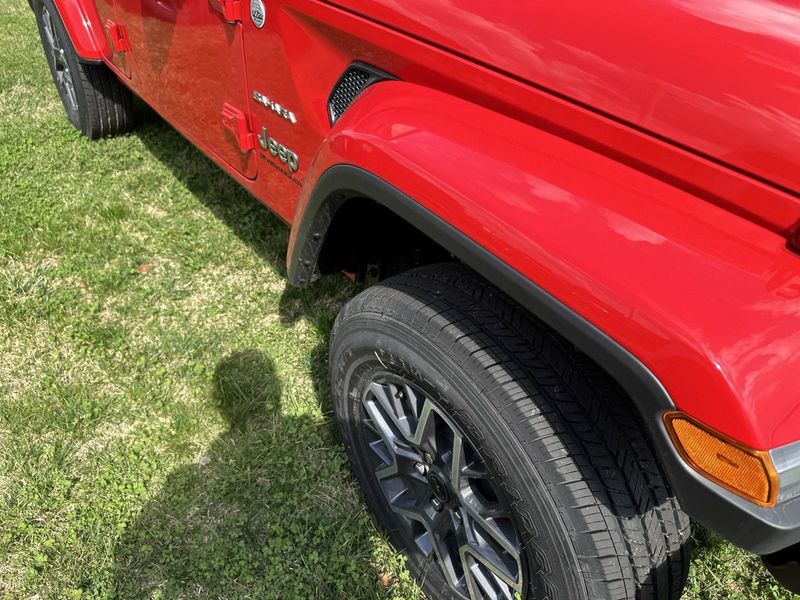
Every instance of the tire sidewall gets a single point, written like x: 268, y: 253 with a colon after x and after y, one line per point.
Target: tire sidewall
x: 76, y: 117
x: 366, y: 344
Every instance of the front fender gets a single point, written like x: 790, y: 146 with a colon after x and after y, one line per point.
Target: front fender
x: 85, y: 30
x: 705, y: 301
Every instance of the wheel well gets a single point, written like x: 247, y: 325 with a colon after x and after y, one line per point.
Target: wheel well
x: 370, y: 242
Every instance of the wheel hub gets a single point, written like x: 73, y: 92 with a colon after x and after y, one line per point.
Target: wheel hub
x: 439, y: 490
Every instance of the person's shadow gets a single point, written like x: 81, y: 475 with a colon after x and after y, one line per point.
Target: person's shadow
x: 259, y: 514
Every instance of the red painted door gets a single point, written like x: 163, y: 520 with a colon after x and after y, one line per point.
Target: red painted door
x: 108, y: 17
x: 189, y: 65
x: 283, y: 71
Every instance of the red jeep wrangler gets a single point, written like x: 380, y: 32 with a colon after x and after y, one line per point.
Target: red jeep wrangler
x: 581, y: 219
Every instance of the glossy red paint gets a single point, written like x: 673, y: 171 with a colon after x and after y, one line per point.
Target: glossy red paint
x: 719, y: 76
x: 707, y: 300
x: 280, y: 61
x: 337, y: 37
x: 674, y: 244
x: 189, y: 63
x: 120, y: 57
x: 85, y: 28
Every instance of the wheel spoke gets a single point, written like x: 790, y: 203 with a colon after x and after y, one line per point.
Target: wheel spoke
x: 409, y: 513
x: 425, y: 426
x: 483, y: 554
x: 70, y: 88
x: 480, y: 584
x: 380, y: 425
x: 457, y: 466
x: 47, y: 24
x: 54, y: 54
x: 415, y: 400
x: 369, y: 423
x: 483, y: 582
x: 440, y: 490
x: 381, y: 451
x: 393, y: 407
x: 48, y: 34
x: 475, y: 470
x: 494, y: 530
x: 52, y: 38
x: 447, y: 562
x: 52, y: 44
x: 53, y: 32
x: 492, y: 562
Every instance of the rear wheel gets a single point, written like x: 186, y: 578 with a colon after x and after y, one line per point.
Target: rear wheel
x: 95, y: 101
x: 496, y: 456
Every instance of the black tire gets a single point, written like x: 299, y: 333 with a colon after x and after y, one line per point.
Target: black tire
x: 589, y: 501
x: 96, y: 102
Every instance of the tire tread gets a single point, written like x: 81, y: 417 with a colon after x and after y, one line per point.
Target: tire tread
x: 634, y: 539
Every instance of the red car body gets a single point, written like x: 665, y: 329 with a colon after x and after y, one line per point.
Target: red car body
x: 635, y: 160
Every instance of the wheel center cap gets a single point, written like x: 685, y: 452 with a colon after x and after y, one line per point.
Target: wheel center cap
x: 439, y: 487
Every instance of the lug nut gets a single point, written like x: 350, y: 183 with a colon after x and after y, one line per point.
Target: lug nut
x: 437, y: 504
x: 428, y: 458
x: 420, y: 468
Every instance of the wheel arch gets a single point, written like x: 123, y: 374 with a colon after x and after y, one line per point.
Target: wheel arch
x: 528, y: 211
x: 715, y: 507
x: 342, y: 185
x: 85, y: 30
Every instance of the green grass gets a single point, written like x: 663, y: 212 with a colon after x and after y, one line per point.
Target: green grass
x: 165, y: 427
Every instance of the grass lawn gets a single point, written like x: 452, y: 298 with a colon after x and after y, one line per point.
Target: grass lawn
x: 165, y: 427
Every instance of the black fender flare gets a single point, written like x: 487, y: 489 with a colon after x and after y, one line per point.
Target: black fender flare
x: 755, y: 528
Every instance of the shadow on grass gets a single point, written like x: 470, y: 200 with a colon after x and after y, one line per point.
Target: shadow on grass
x: 267, y: 511
x: 260, y: 514
x: 264, y: 232
x: 247, y: 218
x: 245, y: 521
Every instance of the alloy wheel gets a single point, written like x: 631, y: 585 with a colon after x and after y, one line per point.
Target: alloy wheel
x: 440, y: 490
x: 55, y: 50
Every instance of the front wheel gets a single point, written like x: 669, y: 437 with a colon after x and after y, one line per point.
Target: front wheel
x: 495, y: 455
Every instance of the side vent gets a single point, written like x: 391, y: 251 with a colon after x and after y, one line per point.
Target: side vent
x: 356, y: 78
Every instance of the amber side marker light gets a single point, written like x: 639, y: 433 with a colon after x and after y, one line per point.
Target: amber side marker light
x: 744, y: 471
